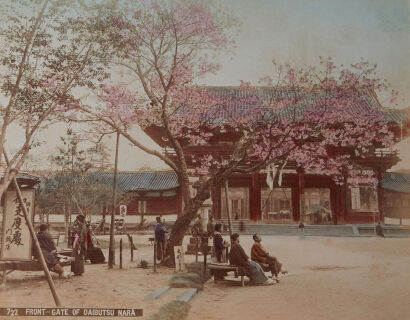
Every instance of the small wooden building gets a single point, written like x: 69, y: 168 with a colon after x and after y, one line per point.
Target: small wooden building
x: 147, y: 193
x: 396, y: 196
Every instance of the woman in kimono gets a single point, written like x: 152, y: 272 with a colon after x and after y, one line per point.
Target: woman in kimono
x: 79, y: 245
x: 218, y: 244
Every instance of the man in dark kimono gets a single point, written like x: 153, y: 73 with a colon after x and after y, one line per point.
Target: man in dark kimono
x: 49, y: 251
x: 238, y: 257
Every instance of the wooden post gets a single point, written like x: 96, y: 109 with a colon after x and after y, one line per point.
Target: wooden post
x: 227, y: 208
x: 301, y: 195
x: 120, y: 253
x: 35, y: 240
x: 111, y: 252
x: 380, y: 194
x: 205, y: 251
x: 205, y: 255
x: 155, y: 255
x: 132, y: 248
x: 196, y: 249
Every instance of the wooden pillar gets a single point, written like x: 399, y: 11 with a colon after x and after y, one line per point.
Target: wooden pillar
x: 216, y: 198
x: 380, y: 194
x: 344, y: 199
x: 334, y: 202
x: 255, y: 200
x: 301, y: 194
x: 295, y: 204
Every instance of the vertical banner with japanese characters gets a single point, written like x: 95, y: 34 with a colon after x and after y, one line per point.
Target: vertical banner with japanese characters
x: 355, y: 195
x: 16, y: 239
x: 179, y: 259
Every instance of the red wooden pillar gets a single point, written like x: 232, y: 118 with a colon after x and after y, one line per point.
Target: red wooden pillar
x: 380, y: 194
x: 255, y: 200
x: 334, y: 202
x: 295, y: 203
x: 301, y: 193
x: 344, y: 198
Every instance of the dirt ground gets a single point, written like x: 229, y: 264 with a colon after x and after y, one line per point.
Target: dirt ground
x: 329, y: 278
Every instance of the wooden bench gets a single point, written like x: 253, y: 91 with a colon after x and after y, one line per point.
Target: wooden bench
x: 7, y: 267
x: 218, y: 269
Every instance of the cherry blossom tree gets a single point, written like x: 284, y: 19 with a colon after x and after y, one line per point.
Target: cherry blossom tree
x: 308, y: 117
x: 49, y: 48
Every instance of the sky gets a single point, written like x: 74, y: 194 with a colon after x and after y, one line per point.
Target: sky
x: 298, y: 32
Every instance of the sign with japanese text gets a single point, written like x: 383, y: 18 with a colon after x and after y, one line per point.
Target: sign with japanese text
x: 16, y: 239
x: 179, y: 259
x: 123, y: 210
x: 355, y: 195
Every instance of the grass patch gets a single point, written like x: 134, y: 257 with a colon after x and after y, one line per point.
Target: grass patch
x: 143, y: 264
x: 195, y: 278
x: 174, y: 310
x: 198, y: 268
x: 186, y: 280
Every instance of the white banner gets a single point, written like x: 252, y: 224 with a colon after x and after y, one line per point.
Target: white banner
x: 16, y: 239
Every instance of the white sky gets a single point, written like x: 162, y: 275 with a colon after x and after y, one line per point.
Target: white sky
x: 298, y: 31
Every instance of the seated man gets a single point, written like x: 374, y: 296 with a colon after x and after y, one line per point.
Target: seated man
x: 260, y: 255
x: 238, y: 257
x: 49, y: 251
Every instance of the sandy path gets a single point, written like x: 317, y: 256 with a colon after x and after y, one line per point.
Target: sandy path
x: 330, y: 278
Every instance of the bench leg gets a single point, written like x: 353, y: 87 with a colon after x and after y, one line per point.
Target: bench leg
x: 242, y: 281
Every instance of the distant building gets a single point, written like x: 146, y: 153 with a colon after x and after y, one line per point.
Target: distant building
x: 147, y: 193
x: 396, y: 195
x: 312, y: 198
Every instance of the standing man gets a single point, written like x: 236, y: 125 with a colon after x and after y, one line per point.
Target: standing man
x: 160, y: 231
x: 79, y: 245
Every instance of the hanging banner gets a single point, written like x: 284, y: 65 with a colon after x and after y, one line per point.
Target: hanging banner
x: 16, y: 239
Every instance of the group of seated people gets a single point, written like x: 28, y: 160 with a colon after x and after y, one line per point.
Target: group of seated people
x: 253, y: 268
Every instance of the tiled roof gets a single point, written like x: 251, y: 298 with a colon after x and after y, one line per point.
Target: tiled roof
x: 238, y: 95
x: 140, y: 181
x: 399, y: 182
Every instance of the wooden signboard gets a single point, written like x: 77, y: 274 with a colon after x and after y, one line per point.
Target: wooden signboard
x: 355, y: 195
x: 16, y: 239
x: 179, y: 259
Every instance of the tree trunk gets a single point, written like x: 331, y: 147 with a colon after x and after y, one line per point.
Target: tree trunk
x: 182, y: 224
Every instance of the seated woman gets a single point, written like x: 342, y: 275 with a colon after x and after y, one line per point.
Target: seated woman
x: 261, y: 256
x: 49, y: 251
x: 238, y: 257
